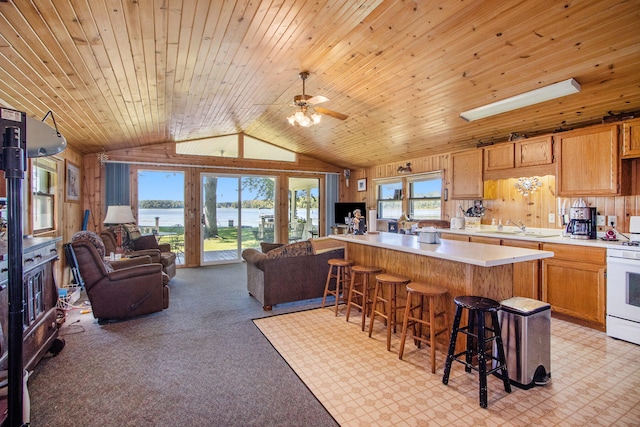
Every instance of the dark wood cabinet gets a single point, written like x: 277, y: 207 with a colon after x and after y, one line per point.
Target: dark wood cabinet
x: 40, y: 326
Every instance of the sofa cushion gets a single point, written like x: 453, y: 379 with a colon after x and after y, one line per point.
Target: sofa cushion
x: 267, y: 246
x: 291, y: 250
x: 96, y: 241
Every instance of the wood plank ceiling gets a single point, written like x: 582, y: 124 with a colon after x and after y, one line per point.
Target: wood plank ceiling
x: 129, y: 73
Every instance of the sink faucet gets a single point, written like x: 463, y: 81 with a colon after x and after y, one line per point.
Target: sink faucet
x: 520, y: 225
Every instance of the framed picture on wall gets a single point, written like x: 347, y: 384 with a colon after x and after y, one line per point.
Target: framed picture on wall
x: 362, y: 184
x: 72, y: 183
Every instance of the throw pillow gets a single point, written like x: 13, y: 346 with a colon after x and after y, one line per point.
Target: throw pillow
x: 133, y: 231
x: 96, y: 241
x: 291, y: 250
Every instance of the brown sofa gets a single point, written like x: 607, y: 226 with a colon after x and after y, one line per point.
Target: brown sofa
x: 287, y: 273
x: 144, y: 246
x: 121, y: 289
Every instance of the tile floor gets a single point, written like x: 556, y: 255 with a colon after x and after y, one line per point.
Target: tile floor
x: 595, y: 379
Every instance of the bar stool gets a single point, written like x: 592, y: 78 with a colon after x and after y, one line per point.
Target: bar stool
x: 361, y: 289
x: 391, y: 282
x: 338, y: 270
x: 422, y: 291
x: 478, y: 307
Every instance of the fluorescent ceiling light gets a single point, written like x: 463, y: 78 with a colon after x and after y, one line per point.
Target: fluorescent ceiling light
x: 556, y: 90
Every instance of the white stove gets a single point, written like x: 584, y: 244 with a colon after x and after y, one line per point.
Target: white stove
x: 623, y: 287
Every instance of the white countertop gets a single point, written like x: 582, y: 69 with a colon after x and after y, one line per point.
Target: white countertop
x: 469, y: 253
x: 542, y: 235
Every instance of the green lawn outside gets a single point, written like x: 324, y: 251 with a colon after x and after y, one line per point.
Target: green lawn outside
x: 227, y: 241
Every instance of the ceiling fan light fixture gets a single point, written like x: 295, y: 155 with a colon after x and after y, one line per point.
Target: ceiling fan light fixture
x: 304, y: 118
x: 536, y: 96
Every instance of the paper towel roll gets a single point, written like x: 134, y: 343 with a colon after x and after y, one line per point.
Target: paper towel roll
x: 372, y: 220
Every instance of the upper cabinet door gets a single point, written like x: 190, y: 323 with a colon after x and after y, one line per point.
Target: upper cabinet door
x: 466, y: 175
x: 588, y: 161
x: 631, y: 139
x: 534, y: 151
x: 498, y: 157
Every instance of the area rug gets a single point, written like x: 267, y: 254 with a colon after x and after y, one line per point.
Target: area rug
x: 360, y: 383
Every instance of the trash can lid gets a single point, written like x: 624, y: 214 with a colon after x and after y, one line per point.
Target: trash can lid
x: 524, y: 305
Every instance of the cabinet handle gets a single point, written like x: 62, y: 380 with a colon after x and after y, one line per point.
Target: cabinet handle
x: 38, y: 256
x: 54, y: 250
x: 4, y: 270
x: 28, y: 260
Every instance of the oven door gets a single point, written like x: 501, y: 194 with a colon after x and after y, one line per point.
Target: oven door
x: 623, y: 288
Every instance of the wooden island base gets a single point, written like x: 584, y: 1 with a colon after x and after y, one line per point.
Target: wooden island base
x: 459, y: 278
x: 463, y: 268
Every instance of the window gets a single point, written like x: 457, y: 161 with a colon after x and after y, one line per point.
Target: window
x: 219, y: 146
x: 425, y: 196
x: 44, y: 173
x: 390, y: 199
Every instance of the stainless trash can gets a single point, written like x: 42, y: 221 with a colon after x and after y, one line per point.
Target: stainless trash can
x: 525, y: 324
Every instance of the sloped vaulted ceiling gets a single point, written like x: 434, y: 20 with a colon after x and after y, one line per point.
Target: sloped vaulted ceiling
x: 121, y: 74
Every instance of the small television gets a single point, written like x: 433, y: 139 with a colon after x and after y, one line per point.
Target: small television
x: 345, y: 209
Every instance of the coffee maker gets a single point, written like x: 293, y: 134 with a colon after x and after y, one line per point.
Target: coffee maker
x: 582, y: 223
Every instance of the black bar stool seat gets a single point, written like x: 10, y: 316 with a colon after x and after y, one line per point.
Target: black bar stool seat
x: 476, y: 329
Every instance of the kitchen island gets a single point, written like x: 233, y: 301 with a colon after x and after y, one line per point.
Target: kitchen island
x: 464, y: 268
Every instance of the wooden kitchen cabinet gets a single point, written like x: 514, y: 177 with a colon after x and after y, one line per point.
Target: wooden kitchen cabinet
x: 573, y: 282
x: 466, y: 175
x: 453, y: 236
x: 534, y: 151
x: 588, y: 162
x: 631, y: 139
x: 485, y: 240
x: 498, y: 157
x: 526, y: 275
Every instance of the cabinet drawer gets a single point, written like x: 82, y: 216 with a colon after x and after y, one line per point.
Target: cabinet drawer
x: 451, y: 236
x: 584, y: 254
x: 483, y: 239
x: 521, y: 244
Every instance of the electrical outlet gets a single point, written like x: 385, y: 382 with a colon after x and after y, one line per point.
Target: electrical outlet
x: 612, y: 221
x: 601, y: 220
x: 552, y: 218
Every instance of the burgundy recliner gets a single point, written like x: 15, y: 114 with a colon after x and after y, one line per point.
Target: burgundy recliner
x: 118, y: 290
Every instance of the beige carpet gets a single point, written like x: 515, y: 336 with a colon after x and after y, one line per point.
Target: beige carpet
x: 596, y: 379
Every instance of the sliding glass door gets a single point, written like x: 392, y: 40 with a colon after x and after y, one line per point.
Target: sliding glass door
x: 161, y: 208
x: 237, y: 213
x: 304, y: 208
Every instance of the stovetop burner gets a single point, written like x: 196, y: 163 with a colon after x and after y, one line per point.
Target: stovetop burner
x: 631, y: 243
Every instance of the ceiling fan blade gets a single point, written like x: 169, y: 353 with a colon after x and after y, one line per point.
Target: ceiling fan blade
x: 318, y: 99
x: 330, y: 113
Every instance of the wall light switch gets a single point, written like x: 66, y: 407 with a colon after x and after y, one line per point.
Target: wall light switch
x: 602, y: 221
x: 612, y: 221
x: 552, y: 218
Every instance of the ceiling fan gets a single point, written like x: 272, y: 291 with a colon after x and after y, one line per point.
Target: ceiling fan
x: 307, y: 114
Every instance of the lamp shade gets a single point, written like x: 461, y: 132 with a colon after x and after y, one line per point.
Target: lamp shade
x: 119, y: 215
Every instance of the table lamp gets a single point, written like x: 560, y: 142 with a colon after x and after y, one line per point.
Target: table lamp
x: 118, y: 215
